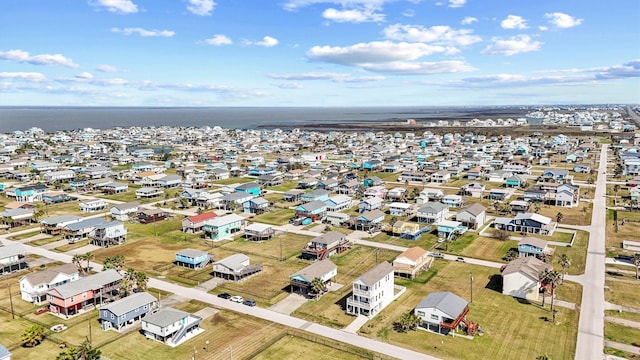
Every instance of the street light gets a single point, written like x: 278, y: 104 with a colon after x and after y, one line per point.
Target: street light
x: 471, y: 285
x: 206, y: 345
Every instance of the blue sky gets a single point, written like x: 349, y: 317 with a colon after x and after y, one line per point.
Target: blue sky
x: 318, y: 53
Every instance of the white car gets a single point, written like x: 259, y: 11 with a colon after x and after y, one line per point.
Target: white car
x: 237, y: 299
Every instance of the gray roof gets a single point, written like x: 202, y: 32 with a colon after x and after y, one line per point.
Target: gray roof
x: 314, y: 205
x: 530, y: 240
x: 54, y: 220
x: 130, y: 303
x: 166, y: 317
x: 86, y: 223
x: 109, y: 224
x: 16, y: 212
x: 447, y: 302
x: 127, y: 205
x: 191, y: 253
x: 371, y: 215
x: 328, y: 238
x: 374, y: 275
x: 91, y: 282
x: 529, y: 266
x: 12, y: 250
x: 475, y: 209
x: 46, y: 276
x: 433, y: 206
x: 317, y: 269
x: 233, y: 262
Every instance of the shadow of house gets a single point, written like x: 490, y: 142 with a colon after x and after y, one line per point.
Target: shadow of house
x: 495, y: 283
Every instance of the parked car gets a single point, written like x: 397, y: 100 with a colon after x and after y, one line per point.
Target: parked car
x: 461, y: 259
x: 237, y: 299
x: 224, y: 295
x: 249, y: 302
x: 436, y: 255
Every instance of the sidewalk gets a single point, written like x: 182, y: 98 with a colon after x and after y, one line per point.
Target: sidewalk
x: 356, y: 324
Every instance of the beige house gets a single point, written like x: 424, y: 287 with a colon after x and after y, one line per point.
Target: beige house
x: 410, y: 262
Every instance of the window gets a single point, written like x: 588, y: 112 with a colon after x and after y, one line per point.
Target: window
x: 421, y: 313
x: 434, y: 317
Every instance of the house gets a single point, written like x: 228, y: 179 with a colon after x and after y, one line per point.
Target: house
x: 219, y: 174
x: 472, y: 216
x: 325, y: 270
x: 193, y: 259
x: 397, y: 194
x: 293, y: 195
x: 370, y: 204
x: 115, y: 188
x: 376, y: 191
x: 325, y: 245
x: 223, y: 227
x: 92, y: 205
x: 432, y: 212
x: 12, y: 257
x: 400, y: 209
x: 315, y: 195
x: 408, y: 230
x: 125, y: 211
x: 308, y: 183
x: 270, y: 180
x: 556, y: 174
x: 447, y: 228
x: 54, y: 225
x: 473, y: 189
x: 256, y: 205
x: 171, y: 326
x: 259, y: 232
x: 372, y: 165
x: 532, y: 246
x: 336, y: 218
x: 427, y: 195
x: 123, y: 313
x: 17, y: 217
x: 61, y: 175
x: 195, y: 224
x: 442, y: 312
x: 584, y: 169
x: 369, y: 221
x: 328, y: 184
x: 567, y: 195
x: 168, y: 181
x: 498, y: 194
x: 252, y: 188
x: 411, y: 261
x: 82, y: 229
x: 515, y: 181
x: 440, y: 177
x: 235, y: 199
x: 235, y: 267
x: 34, y: 287
x: 475, y: 173
x: 535, y: 194
x: 56, y: 197
x: 452, y: 200
x: 70, y: 298
x: 499, y: 176
x: 531, y: 223
x: 521, y: 277
x: 338, y: 202
x: 372, y: 291
x: 30, y: 193
x: 372, y: 181
x: 148, y: 192
x: 148, y: 216
x: 315, y: 210
x: 109, y: 233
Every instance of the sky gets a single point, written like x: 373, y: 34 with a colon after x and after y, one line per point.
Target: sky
x: 318, y: 52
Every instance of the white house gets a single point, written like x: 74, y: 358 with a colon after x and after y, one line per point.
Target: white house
x: 432, y: 212
x: 12, y: 257
x: 34, y: 287
x: 520, y: 278
x: 338, y: 202
x: 370, y: 204
x: 372, y: 291
x: 427, y: 195
x: 93, y: 205
x: 442, y: 312
x: 124, y: 211
x: 472, y: 216
x: 400, y: 209
x: 171, y: 326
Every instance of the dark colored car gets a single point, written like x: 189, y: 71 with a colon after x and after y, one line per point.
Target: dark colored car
x: 249, y: 302
x: 224, y: 295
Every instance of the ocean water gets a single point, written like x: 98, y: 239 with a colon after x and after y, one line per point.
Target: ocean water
x: 53, y: 119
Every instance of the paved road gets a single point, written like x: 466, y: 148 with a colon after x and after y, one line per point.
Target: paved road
x: 590, y: 344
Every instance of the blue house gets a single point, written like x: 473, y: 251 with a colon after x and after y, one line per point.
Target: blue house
x: 372, y: 181
x: 532, y: 246
x: 558, y: 174
x: 315, y: 210
x: 224, y: 227
x: 446, y: 228
x: 369, y: 220
x: 30, y: 193
x: 315, y: 195
x: 256, y: 205
x: 373, y: 165
x: 124, y: 312
x: 252, y: 188
x: 193, y: 259
x: 259, y: 171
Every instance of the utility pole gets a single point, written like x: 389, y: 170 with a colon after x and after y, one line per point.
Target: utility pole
x: 471, y: 285
x: 281, y: 259
x: 90, y: 338
x: 13, y: 315
x: 377, y: 251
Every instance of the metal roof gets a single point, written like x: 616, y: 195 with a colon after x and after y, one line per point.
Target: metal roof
x: 447, y: 302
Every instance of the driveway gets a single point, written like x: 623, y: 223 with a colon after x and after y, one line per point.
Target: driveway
x: 289, y: 304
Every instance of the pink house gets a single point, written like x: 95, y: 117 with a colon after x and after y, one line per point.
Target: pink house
x: 69, y: 298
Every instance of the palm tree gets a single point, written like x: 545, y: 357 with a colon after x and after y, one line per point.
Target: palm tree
x: 317, y: 286
x: 141, y: 281
x: 565, y: 262
x: 77, y: 259
x: 70, y: 353
x: 553, y: 278
x: 616, y: 188
x: 86, y: 352
x: 559, y: 217
x: 536, y: 208
x: 33, y: 335
x: 118, y: 262
x: 636, y: 263
x: 88, y: 257
x: 543, y: 279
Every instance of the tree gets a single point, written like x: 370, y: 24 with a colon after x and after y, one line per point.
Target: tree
x: 33, y: 335
x: 409, y: 321
x: 636, y: 263
x: 552, y: 278
x: 70, y: 353
x: 141, y: 281
x: 77, y: 259
x: 502, y: 234
x: 616, y: 188
x: 114, y: 262
x: 88, y: 257
x: 317, y: 286
x: 86, y: 352
x: 559, y: 217
x: 542, y: 278
x: 536, y: 208
x: 564, y: 261
x: 511, y: 255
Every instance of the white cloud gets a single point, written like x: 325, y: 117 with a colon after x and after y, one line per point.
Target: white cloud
x: 42, y: 59
x: 469, y: 20
x: 219, y: 40
x: 420, y: 68
x: 441, y: 35
x: 335, y: 77
x: 143, y: 32
x: 562, y: 20
x: 373, y: 52
x: 409, y: 13
x: 24, y: 76
x: 88, y: 78
x: 118, y: 6
x: 514, y: 22
x: 106, y: 68
x: 543, y: 28
x: 201, y: 7
x: 514, y: 45
x: 352, y: 15
x: 457, y: 3
x: 266, y: 41
x: 293, y: 5
x: 84, y: 75
x: 289, y: 86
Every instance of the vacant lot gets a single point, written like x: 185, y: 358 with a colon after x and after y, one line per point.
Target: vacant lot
x: 489, y: 248
x: 621, y: 334
x: 622, y: 293
x: 628, y: 230
x: 276, y: 217
x: 579, y: 215
x: 513, y: 329
x: 292, y: 347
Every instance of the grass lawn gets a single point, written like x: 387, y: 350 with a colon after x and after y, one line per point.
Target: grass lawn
x: 76, y: 245
x: 619, y: 353
x: 621, y: 334
x: 46, y: 350
x: 628, y: 231
x: 577, y: 253
x: 11, y: 329
x: 293, y: 347
x: 127, y: 196
x: 513, y: 329
x: 278, y: 217
x: 285, y: 186
x: 623, y: 315
x: 622, y: 293
x: 288, y: 243
x: 426, y: 241
x: 488, y: 248
x: 44, y: 241
x: 24, y: 236
x: 223, y: 331
x: 579, y: 215
x: 458, y: 246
